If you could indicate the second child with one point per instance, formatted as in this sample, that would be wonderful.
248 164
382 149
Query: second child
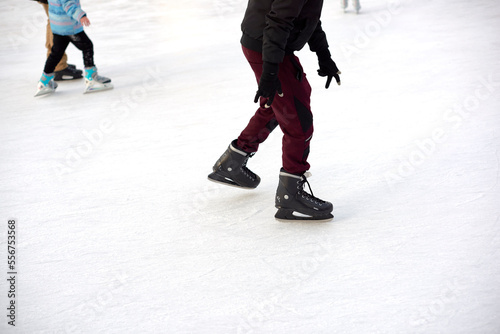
67 20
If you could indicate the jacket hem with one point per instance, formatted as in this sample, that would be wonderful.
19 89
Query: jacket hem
251 43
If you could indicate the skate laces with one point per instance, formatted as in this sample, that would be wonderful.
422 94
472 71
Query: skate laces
90 72
245 168
305 193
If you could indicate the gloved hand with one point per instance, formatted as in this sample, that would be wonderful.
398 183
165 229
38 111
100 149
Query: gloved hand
327 67
269 83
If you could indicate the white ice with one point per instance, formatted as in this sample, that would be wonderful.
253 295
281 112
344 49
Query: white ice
119 231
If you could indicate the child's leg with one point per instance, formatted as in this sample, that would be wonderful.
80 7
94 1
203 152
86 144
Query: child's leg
84 44
264 121
63 63
56 53
356 5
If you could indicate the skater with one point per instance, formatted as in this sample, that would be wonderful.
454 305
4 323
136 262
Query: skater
67 20
63 70
272 31
355 4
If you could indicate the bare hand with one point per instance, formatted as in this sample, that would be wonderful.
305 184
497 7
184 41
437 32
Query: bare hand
85 21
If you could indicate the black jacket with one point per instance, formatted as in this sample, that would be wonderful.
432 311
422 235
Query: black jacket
279 27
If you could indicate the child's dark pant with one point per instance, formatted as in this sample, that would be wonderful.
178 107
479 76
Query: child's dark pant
292 113
80 40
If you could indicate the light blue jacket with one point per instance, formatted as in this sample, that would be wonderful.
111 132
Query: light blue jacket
65 17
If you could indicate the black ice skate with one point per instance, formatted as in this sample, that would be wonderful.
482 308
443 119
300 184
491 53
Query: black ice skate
231 169
294 203
69 73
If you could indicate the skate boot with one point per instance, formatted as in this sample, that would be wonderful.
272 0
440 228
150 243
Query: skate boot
231 169
294 203
46 85
94 82
69 73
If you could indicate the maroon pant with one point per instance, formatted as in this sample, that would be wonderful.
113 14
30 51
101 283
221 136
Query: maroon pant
292 113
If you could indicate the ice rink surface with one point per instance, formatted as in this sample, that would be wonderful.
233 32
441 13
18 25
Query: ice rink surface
119 231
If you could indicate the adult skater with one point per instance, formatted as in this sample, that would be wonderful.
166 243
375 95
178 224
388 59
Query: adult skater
272 31
67 20
63 70
355 4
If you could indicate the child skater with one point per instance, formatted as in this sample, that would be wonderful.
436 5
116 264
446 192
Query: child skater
67 20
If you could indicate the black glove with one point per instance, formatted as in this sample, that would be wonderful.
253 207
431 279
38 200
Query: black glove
269 83
327 67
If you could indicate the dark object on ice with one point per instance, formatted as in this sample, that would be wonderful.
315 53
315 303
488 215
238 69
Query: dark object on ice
294 203
69 73
231 169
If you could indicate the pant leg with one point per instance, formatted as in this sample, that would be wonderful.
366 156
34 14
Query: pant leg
294 117
257 130
63 63
84 44
264 120
292 113
60 43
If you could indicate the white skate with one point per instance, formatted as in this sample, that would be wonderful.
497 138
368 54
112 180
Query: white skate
46 85
94 82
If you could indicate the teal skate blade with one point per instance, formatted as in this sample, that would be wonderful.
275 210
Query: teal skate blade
291 215
218 178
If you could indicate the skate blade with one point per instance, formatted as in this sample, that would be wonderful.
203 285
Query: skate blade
93 89
287 215
214 177
44 91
